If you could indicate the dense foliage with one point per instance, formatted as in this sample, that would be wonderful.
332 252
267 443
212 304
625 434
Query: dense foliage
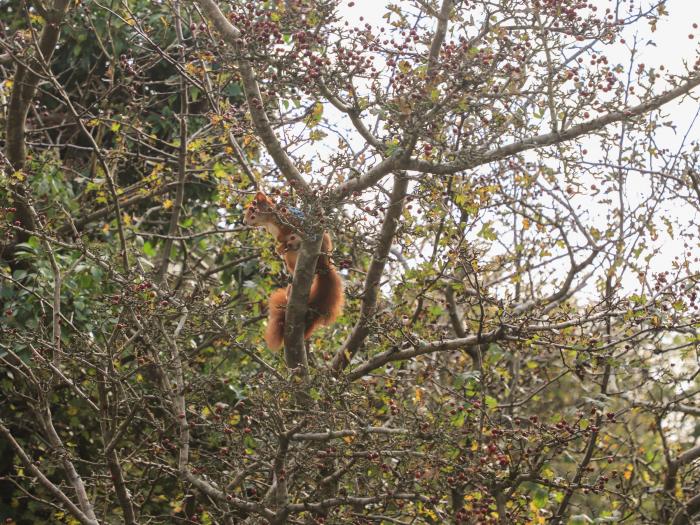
516 231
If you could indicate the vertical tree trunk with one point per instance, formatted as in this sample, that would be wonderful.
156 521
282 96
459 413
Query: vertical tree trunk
24 86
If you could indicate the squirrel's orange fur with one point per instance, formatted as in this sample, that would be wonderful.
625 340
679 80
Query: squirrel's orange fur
326 295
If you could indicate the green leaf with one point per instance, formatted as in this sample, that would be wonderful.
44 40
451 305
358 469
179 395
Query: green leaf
458 419
491 402
540 498
487 232
149 249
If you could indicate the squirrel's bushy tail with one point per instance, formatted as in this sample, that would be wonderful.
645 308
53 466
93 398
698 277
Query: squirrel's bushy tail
325 305
277 308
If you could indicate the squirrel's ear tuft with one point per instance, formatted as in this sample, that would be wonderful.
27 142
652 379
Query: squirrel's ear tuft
261 200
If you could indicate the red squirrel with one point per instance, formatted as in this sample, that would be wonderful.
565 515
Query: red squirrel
326 296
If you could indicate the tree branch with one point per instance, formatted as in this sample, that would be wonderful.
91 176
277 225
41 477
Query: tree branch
439 37
674 466
354 114
297 304
24 87
111 457
374 275
72 475
374 175
216 494
44 481
414 350
182 160
335 434
473 159
234 38
691 508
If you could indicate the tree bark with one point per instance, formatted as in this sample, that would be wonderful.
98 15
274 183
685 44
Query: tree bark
24 86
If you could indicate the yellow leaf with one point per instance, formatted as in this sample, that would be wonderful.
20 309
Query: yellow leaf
430 513
167 204
156 170
679 491
315 116
628 472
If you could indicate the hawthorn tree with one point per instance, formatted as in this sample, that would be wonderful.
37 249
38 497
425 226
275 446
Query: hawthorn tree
516 231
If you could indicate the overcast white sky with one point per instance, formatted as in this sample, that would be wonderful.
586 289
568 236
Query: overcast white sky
672 44
669 45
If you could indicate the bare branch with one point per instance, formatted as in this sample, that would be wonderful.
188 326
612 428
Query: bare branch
72 475
414 350
57 493
256 106
374 175
335 434
182 159
374 274
354 114
469 160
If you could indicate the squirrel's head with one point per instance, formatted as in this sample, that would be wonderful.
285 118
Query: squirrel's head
260 211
